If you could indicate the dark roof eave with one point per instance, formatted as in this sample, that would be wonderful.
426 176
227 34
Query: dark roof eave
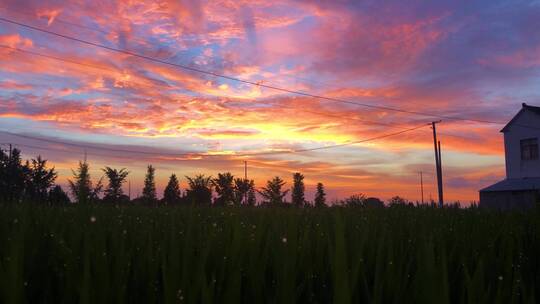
524 106
514 184
505 128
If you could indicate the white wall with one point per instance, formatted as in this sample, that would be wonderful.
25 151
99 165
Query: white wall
515 167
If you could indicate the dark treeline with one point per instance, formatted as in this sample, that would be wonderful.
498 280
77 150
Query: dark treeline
33 181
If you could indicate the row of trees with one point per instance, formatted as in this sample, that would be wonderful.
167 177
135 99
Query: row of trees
228 189
33 181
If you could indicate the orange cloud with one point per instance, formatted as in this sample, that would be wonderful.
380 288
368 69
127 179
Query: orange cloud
15 41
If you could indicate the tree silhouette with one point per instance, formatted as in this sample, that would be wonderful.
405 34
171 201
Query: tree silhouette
114 192
244 192
320 196
81 187
223 185
149 190
13 176
57 196
356 200
200 190
272 193
39 180
240 191
298 189
172 194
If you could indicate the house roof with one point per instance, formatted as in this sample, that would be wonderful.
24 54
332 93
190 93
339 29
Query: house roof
515 184
524 107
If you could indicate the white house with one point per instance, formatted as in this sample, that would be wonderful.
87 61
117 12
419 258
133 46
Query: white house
521 188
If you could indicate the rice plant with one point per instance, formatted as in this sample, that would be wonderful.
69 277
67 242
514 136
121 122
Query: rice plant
106 254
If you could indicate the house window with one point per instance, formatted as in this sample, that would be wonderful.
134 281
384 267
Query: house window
529 149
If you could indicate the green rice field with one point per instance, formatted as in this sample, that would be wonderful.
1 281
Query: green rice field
107 254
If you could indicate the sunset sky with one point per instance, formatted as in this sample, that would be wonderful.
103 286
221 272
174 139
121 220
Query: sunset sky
477 60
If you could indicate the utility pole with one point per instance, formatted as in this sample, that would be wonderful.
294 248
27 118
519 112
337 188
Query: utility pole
246 181
129 190
422 186
437 146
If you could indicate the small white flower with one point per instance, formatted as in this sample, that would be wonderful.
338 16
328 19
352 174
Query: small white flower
284 240
500 278
93 219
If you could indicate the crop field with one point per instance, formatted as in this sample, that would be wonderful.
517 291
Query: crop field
106 254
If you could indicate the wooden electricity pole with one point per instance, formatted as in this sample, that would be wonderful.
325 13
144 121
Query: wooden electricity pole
437 145
246 181
422 186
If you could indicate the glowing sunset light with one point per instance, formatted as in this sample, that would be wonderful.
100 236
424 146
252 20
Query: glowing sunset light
202 86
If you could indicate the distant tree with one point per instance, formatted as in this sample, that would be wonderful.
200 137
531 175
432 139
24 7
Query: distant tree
114 192
81 187
39 180
223 185
57 196
172 194
357 200
242 190
397 201
298 190
13 176
320 196
373 202
149 190
200 190
272 193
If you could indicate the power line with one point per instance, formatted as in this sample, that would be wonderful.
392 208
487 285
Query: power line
146 42
141 40
56 19
201 71
56 58
365 140
86 146
200 154
270 103
236 79
62 150
261 102
258 101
